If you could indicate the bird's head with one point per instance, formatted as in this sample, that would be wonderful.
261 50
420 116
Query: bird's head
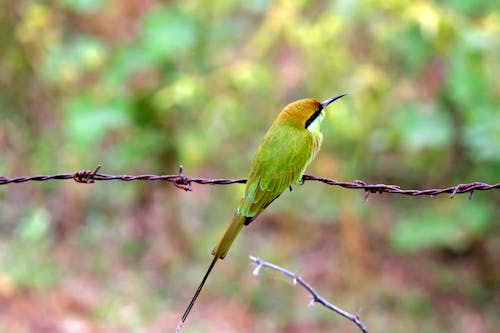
307 113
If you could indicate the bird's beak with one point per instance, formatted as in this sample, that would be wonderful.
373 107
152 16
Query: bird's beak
324 104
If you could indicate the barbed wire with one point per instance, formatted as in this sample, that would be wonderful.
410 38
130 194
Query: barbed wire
185 183
316 298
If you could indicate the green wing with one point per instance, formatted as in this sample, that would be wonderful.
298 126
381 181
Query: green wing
281 160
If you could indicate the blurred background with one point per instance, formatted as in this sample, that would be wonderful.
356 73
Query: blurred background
142 86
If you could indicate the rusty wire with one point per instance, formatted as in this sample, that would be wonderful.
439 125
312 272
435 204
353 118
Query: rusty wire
185 183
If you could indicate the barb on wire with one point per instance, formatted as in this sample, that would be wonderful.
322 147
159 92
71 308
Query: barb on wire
86 176
184 182
316 298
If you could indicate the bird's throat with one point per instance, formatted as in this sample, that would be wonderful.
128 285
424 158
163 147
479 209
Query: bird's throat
315 125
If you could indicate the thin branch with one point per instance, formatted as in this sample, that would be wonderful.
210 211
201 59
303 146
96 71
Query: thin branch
184 182
316 298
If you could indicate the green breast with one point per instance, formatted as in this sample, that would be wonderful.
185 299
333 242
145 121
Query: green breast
280 162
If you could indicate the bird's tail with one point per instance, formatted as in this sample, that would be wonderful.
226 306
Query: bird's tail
230 234
219 252
197 293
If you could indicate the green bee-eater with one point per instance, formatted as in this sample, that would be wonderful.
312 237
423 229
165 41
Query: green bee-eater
288 147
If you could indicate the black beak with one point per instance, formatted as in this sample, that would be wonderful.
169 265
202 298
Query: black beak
324 104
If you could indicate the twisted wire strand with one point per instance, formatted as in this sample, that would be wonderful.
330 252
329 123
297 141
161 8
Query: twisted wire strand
185 182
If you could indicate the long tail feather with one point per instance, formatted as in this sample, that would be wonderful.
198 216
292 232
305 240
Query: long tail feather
197 293
229 236
219 252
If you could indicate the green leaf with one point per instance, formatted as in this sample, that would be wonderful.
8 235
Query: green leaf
467 80
450 226
166 32
482 133
85 6
88 120
35 227
125 62
423 127
68 62
412 49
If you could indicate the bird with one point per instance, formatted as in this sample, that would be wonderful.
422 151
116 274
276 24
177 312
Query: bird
288 147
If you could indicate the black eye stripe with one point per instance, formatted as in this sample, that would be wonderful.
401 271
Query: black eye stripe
313 116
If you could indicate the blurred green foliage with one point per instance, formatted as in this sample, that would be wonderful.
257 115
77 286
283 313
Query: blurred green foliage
467 226
143 86
28 260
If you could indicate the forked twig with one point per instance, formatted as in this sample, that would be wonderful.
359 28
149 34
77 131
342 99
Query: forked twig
316 298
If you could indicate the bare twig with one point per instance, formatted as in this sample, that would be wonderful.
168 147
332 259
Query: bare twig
316 298
184 182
